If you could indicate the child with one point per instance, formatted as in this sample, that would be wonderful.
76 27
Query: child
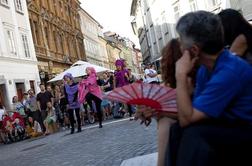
50 119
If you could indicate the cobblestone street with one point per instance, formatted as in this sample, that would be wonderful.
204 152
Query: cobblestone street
109 146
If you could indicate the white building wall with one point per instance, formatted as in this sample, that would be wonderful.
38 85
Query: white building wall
243 5
16 67
91 31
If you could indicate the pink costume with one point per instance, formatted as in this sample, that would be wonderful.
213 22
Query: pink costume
89 85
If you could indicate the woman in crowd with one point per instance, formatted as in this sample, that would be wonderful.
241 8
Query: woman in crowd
237 33
91 92
33 128
57 96
71 95
50 119
63 105
170 55
106 87
132 78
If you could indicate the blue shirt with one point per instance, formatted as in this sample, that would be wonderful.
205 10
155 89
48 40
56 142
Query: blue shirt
226 91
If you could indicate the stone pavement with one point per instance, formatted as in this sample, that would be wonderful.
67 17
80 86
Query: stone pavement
108 146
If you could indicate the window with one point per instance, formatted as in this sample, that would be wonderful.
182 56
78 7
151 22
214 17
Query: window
26 46
11 42
165 27
19 6
176 11
4 2
47 37
215 2
37 29
193 5
158 29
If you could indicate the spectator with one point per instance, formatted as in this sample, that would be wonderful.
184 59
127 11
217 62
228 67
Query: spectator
50 120
106 87
42 98
49 89
2 135
151 75
33 105
237 33
105 83
2 112
111 79
63 106
57 96
33 128
212 124
132 78
18 106
26 104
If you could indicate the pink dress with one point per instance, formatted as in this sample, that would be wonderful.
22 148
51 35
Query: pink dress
89 85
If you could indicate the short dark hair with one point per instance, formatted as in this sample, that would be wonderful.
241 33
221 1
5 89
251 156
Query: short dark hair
203 29
41 84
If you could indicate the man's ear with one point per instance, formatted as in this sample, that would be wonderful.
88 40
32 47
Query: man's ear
194 51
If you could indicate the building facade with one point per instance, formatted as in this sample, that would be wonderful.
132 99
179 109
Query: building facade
18 62
104 51
121 48
57 35
245 6
93 39
154 20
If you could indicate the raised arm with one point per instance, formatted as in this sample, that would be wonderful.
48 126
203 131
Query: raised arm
239 45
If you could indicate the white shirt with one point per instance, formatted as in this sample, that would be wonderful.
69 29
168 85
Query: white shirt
37 127
148 78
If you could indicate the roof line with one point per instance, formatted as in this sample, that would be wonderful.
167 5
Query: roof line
91 17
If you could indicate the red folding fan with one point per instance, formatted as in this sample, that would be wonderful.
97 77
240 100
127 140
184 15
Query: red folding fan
158 97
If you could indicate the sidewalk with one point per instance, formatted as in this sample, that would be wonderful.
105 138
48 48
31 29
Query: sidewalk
146 160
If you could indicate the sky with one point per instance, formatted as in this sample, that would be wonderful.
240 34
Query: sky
113 15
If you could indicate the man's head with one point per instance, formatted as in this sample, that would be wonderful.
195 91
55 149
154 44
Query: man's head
105 75
201 32
42 87
49 88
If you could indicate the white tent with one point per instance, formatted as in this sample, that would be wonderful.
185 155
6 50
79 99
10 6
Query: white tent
78 69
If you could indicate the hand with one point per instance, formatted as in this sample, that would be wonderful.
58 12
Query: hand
144 114
185 64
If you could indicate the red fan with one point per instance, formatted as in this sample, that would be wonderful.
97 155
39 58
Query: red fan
158 97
